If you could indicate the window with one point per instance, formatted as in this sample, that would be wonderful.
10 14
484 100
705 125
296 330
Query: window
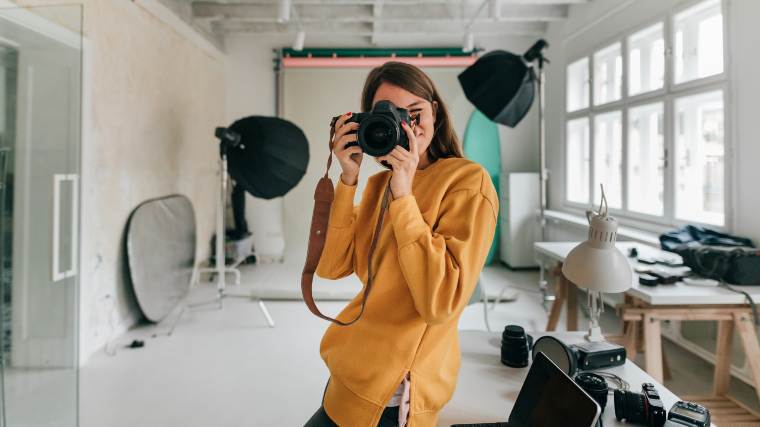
698 42
699 158
608 157
608 74
577 85
646 60
578 160
658 146
646 159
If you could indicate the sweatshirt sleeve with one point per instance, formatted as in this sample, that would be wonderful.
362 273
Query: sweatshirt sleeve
441 266
337 258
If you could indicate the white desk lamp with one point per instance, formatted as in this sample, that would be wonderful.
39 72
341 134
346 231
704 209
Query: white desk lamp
598 266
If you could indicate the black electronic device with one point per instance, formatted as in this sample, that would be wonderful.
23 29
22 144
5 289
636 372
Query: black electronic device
515 346
598 355
380 130
537 404
644 408
689 414
583 356
648 279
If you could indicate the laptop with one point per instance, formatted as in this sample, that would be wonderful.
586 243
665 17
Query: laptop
549 398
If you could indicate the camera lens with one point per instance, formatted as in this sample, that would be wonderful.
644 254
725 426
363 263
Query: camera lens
378 136
629 406
515 346
595 386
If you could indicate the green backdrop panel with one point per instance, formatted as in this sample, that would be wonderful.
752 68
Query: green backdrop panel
481 145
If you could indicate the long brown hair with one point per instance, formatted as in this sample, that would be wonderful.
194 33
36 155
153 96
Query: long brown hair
410 78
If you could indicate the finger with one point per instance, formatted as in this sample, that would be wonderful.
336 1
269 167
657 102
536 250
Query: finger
412 138
346 128
397 155
345 139
342 119
402 151
350 151
392 161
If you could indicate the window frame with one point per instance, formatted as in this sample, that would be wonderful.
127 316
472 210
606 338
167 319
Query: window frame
667 95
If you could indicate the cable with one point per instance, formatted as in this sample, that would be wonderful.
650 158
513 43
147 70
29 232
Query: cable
612 378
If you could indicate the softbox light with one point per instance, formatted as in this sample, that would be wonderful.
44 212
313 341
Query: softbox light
501 85
271 157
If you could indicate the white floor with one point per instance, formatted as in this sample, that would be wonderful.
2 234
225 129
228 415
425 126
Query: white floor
227 368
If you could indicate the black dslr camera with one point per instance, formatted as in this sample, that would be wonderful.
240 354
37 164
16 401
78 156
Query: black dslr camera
380 129
643 408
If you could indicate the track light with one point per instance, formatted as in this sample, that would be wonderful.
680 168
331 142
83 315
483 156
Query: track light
494 9
283 13
298 43
468 45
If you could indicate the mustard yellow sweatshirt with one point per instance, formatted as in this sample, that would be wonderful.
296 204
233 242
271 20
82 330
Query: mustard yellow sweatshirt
427 261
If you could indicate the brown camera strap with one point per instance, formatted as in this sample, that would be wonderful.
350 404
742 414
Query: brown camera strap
323 199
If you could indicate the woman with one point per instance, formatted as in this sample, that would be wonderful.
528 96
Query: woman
398 364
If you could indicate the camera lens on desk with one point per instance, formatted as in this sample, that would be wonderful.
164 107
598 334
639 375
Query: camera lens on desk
515 346
595 386
643 408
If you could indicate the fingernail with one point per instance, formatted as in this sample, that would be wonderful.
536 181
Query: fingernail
350 114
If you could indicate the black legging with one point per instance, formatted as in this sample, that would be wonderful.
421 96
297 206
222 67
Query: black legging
320 418
389 418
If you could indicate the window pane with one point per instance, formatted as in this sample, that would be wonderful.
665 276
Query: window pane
646 60
608 74
699 158
608 158
577 85
698 41
646 159
577 157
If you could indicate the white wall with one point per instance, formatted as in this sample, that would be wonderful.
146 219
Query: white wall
250 90
594 23
155 99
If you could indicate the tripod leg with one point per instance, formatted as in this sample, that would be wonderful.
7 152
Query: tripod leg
266 313
176 321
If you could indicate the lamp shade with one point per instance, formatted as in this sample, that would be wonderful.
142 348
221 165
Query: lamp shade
597 264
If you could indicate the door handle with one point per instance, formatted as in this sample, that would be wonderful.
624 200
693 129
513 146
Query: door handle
58 180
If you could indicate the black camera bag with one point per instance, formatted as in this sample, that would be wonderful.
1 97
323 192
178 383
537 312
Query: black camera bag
716 255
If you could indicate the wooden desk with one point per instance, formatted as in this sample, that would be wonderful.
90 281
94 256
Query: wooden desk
487 390
647 306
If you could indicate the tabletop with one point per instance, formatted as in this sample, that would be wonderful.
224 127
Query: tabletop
676 294
487 389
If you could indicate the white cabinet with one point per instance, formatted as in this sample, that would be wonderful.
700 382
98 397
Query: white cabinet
518 211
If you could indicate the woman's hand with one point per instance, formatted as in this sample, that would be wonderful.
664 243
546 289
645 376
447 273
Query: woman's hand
404 164
350 158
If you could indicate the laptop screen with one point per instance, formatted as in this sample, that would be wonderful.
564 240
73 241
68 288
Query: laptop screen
550 398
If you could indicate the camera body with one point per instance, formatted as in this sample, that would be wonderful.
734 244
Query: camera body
380 130
689 414
644 408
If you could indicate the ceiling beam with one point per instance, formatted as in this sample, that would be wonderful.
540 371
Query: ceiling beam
259 12
366 30
377 13
469 3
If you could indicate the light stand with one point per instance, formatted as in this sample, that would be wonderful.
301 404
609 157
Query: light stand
535 54
228 139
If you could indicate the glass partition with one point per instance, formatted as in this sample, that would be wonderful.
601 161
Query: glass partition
40 134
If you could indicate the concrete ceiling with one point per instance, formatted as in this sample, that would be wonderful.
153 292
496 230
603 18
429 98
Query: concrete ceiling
380 22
